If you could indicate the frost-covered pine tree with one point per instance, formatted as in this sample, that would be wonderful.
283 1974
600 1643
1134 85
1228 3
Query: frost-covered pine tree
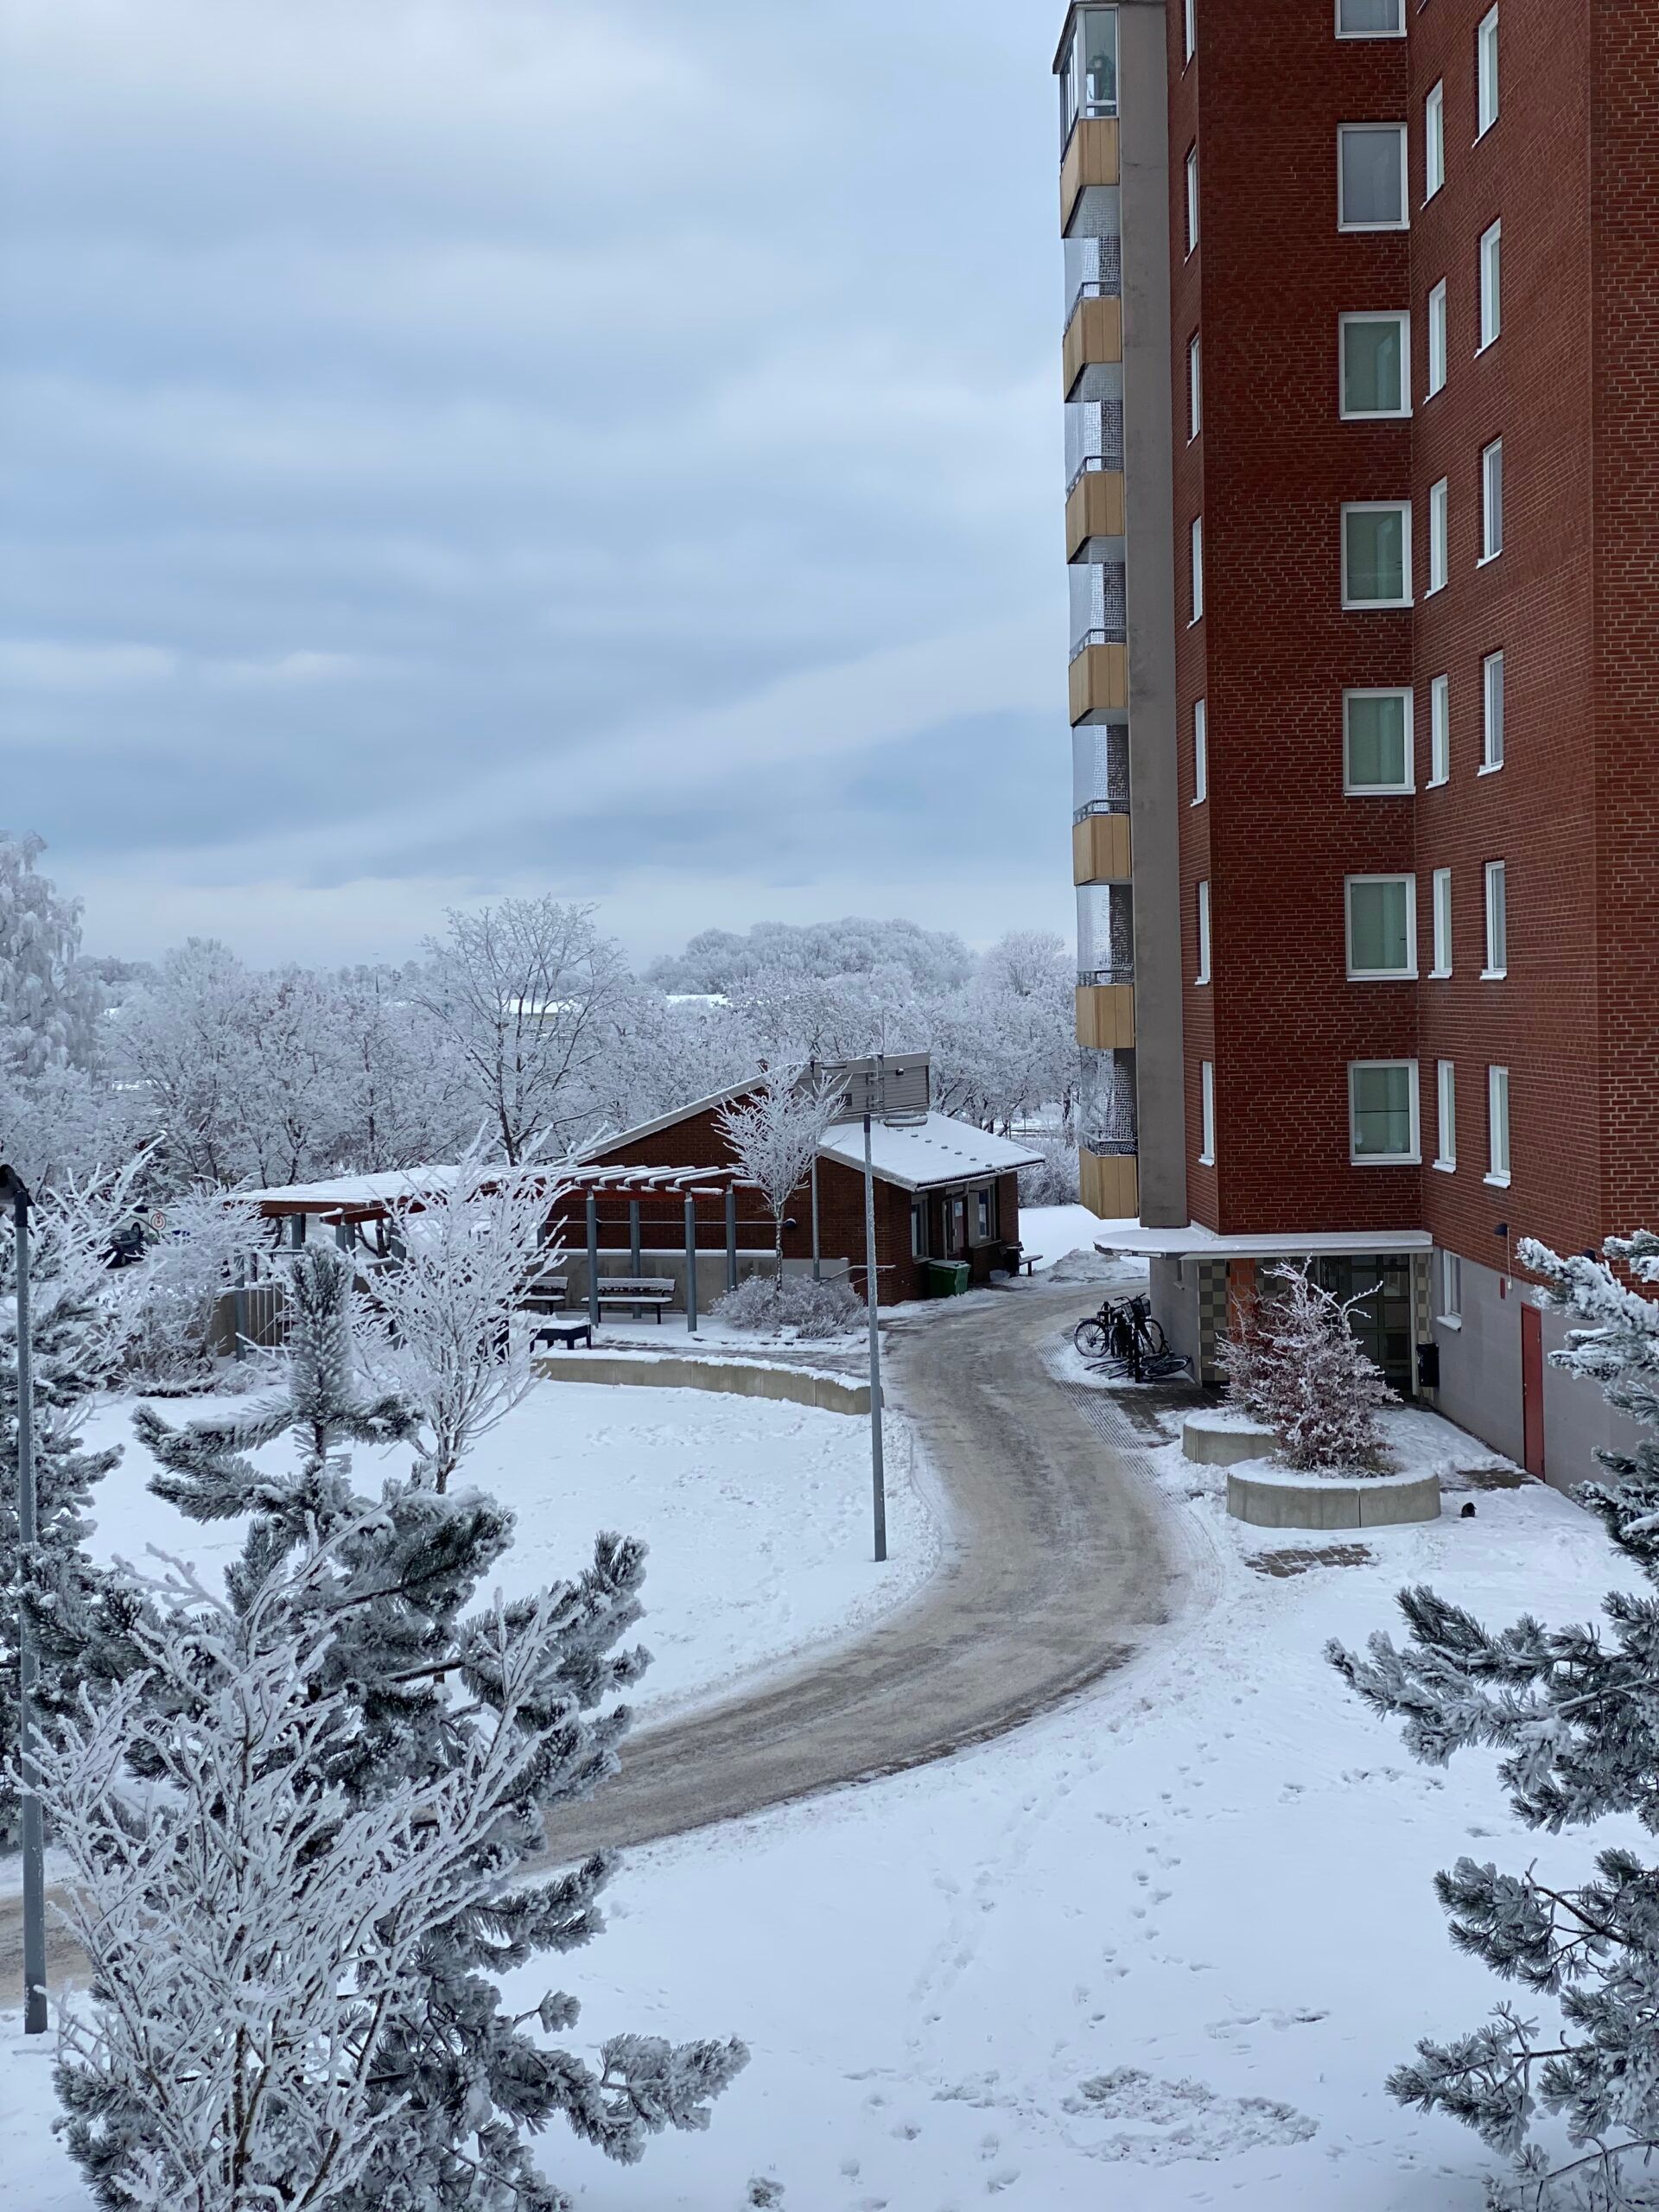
1575 1714
774 1132
1294 1363
425 1674
48 998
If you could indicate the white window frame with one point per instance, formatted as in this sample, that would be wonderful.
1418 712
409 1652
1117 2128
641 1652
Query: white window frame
1194 387
1433 141
1491 501
1440 922
1497 1128
1190 31
1401 9
1486 94
1411 1159
1408 973
1402 691
1445 1116
1491 723
1495 879
1490 266
1376 506
1195 573
1206 1113
1439 497
1404 221
1200 751
1435 380
1440 730
1191 201
1451 1299
1402 317
1202 975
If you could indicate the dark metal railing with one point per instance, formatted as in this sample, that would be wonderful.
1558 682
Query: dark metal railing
1110 1147
1115 802
1112 634
1121 972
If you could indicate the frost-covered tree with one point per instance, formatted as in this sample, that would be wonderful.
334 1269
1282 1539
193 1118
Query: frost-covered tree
934 961
774 1132
1574 1713
1294 1363
48 998
522 992
449 1335
171 1294
425 1674
253 1929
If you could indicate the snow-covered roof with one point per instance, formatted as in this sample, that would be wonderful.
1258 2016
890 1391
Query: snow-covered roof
606 1146
1196 1242
924 1155
353 1190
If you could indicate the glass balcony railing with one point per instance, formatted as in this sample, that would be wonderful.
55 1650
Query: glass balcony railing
1105 933
1099 605
1094 438
1106 1110
1094 271
1100 769
1088 71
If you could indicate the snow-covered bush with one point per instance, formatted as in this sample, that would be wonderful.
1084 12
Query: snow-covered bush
790 1301
1294 1363
1575 1712
172 1293
1054 1183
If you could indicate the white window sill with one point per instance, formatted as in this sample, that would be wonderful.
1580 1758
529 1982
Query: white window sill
1206 1159
1489 767
1200 982
1385 1159
1379 791
1487 344
1352 230
1448 1321
1382 975
1435 391
1376 605
1487 559
1199 800
1493 975
1498 1182
1193 621
1438 975
1373 414
1437 783
1445 1167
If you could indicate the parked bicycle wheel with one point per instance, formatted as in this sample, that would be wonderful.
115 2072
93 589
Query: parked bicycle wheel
1153 1338
1090 1338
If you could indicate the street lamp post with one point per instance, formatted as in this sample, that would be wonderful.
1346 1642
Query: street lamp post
13 1187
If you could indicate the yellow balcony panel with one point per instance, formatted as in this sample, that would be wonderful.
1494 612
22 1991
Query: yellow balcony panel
1095 509
1110 1184
1106 1017
1100 848
1095 335
1098 681
1091 158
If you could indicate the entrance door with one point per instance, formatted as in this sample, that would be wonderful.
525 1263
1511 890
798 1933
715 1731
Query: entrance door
1382 1323
1532 1388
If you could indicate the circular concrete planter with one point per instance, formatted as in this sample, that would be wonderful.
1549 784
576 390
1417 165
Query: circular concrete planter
1222 1437
1281 1498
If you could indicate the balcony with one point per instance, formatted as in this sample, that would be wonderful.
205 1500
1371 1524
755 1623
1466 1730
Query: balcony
1091 158
1109 1184
1094 508
1094 438
1097 682
1100 844
1105 1017
1094 337
1094 269
1100 769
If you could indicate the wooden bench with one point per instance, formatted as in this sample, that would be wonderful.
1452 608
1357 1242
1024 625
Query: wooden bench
545 1294
563 1333
655 1292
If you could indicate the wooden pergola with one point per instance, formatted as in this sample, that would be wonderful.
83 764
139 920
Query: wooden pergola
590 1184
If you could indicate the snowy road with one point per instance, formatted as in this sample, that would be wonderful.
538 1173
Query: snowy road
1058 1556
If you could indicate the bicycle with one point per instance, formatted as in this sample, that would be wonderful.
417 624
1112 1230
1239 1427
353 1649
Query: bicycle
1124 1330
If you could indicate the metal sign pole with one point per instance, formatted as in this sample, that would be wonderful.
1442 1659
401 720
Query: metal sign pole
34 1832
878 1482
593 1261
818 1271
690 1265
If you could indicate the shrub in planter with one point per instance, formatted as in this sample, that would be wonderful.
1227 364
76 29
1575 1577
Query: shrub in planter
810 1309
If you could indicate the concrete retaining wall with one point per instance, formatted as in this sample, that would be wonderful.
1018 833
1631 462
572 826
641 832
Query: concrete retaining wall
1283 1502
1218 1444
785 1385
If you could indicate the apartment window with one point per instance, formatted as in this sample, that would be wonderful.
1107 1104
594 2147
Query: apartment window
1491 285
1196 572
1442 920
1191 197
1439 729
1376 553
1374 351
1206 1113
1486 73
1194 389
1088 75
1377 742
1497 1126
1491 500
1381 928
1437 338
1433 142
1200 751
1192 29
1437 535
1203 975
1370 18
918 1229
1383 1111
1497 922
1451 1290
1491 718
1446 1118
1371 176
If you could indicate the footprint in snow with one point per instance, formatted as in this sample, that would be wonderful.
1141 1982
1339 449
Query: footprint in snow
1193 2122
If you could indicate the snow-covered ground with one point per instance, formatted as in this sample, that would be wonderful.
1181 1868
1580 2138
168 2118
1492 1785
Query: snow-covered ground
1156 1951
757 1516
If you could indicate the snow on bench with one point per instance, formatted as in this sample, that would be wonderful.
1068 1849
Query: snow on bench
654 1291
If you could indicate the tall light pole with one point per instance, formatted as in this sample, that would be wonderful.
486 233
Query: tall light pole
13 1187
878 1474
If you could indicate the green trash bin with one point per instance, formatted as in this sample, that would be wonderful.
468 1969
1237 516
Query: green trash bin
947 1278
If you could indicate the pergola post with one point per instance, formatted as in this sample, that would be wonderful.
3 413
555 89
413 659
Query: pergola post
633 1237
731 1236
690 1264
593 1260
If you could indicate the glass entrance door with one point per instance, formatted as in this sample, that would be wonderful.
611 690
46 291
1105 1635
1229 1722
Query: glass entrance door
1382 1322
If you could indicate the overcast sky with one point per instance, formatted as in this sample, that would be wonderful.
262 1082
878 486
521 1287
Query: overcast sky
455 447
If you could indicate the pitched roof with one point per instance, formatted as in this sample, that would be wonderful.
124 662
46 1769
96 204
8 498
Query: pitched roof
927 1155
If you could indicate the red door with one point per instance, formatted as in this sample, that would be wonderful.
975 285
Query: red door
1532 1388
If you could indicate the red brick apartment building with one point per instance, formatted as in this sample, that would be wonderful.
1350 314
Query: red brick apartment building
1362 397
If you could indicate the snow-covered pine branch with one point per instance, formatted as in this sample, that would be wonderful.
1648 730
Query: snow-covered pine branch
774 1131
1294 1363
1574 1714
449 1333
